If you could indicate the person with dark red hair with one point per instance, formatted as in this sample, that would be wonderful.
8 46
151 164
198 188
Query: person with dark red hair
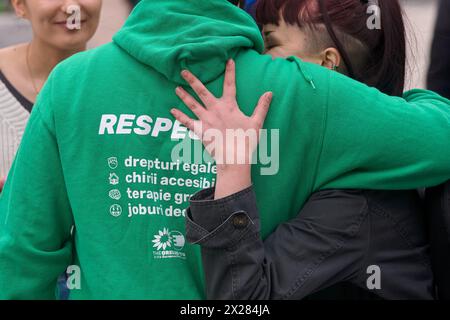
341 238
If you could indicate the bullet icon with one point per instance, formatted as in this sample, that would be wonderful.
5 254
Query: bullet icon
113 179
115 194
115 210
113 163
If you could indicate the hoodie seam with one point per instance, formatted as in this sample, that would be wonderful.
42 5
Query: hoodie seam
323 133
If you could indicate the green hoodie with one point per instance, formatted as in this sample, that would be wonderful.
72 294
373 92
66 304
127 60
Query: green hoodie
96 154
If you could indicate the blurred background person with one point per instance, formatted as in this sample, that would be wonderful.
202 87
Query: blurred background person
439 72
25 67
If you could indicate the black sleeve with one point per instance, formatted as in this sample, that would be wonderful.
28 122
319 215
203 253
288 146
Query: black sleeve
322 246
439 72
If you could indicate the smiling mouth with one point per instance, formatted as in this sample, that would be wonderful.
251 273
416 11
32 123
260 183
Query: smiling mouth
63 23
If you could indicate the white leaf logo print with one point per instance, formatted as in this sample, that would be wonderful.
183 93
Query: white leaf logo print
162 240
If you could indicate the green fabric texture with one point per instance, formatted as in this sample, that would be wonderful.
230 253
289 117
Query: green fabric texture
103 121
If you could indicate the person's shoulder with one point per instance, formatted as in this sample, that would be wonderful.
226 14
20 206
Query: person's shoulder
89 63
83 58
83 73
282 71
8 54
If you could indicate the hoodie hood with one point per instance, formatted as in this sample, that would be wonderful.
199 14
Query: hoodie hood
199 35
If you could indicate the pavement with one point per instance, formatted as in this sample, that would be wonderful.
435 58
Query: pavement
421 16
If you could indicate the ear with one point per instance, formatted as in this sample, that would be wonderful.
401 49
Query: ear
331 58
19 8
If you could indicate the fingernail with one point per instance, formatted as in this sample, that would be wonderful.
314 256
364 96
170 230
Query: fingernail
184 73
178 89
230 62
172 111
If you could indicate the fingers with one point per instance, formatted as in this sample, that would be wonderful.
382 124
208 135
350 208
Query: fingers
229 84
260 113
202 92
190 102
191 124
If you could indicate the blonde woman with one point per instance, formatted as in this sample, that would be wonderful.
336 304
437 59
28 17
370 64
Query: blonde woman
60 28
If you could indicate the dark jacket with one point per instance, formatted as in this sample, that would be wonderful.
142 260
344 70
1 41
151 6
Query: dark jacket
373 239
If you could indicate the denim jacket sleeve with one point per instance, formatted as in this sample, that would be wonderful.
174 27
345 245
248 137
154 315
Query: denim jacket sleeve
309 253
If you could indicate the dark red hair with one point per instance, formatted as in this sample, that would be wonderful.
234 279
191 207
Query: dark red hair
379 59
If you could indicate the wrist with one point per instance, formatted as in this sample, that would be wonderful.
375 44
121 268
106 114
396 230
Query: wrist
232 169
232 179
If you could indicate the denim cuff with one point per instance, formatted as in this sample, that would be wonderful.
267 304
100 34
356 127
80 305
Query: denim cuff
210 213
221 223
